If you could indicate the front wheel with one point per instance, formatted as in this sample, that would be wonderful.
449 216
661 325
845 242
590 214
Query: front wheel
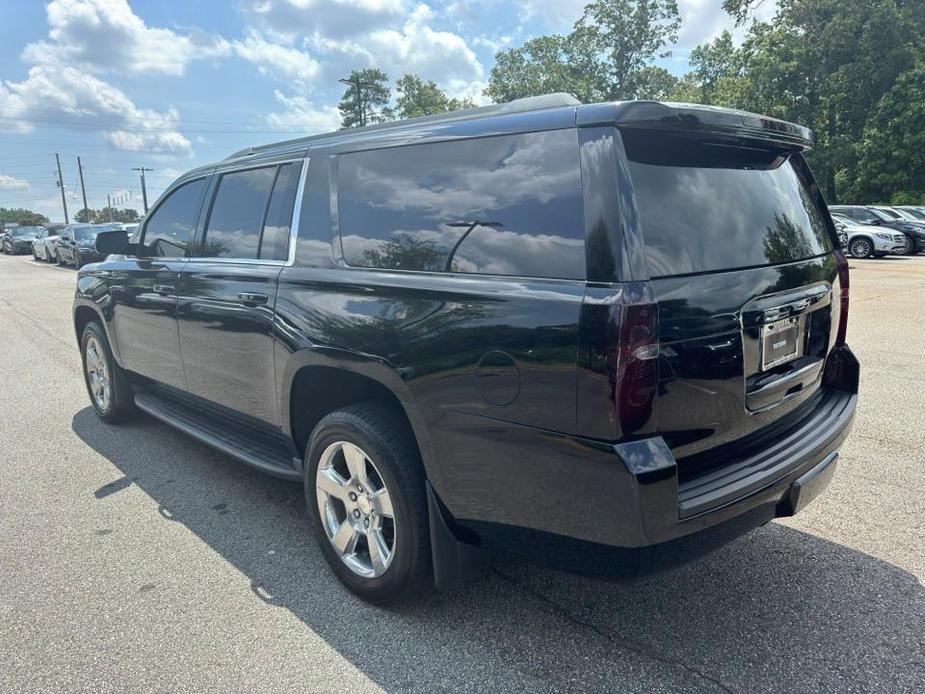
860 248
364 487
107 385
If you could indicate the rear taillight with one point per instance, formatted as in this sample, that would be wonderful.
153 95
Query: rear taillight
638 369
841 334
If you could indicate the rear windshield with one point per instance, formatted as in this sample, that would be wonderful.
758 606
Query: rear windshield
708 207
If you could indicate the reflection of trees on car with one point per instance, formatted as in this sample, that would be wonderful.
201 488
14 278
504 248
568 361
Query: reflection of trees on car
405 252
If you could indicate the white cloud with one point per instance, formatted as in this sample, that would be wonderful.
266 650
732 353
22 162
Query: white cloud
416 48
12 183
301 114
78 98
273 58
105 35
333 18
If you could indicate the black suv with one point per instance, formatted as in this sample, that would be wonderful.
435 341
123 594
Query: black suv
497 319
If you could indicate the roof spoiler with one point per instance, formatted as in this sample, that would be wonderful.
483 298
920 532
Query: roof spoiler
697 118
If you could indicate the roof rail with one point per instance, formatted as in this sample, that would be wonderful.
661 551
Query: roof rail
530 103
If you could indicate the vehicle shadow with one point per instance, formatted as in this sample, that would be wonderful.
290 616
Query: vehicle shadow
775 610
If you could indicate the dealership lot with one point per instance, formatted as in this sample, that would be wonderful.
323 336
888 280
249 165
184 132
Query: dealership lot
132 558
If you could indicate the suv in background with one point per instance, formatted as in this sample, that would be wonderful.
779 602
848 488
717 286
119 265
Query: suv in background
871 216
513 318
912 227
866 241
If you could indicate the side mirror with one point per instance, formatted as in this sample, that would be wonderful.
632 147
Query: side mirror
112 243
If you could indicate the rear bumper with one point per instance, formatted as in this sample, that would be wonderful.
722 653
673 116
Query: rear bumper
494 476
783 473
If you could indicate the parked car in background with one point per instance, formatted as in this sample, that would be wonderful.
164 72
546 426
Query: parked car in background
917 211
19 239
44 247
906 223
77 245
38 245
863 214
478 337
866 241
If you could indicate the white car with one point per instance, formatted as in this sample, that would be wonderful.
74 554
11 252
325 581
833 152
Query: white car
866 240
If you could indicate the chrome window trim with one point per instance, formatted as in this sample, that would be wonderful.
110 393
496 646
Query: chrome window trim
296 215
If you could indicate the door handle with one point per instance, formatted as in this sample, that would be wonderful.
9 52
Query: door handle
164 289
253 299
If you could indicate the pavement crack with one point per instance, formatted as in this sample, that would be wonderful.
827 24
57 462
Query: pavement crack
624 644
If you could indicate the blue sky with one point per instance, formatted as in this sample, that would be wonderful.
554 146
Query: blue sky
171 84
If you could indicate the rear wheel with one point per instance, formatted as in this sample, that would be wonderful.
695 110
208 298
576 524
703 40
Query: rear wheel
860 248
364 487
107 385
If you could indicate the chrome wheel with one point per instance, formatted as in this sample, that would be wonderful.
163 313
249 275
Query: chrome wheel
356 509
98 374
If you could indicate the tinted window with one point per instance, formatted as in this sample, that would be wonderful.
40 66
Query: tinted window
170 227
714 208
314 248
233 230
506 205
274 245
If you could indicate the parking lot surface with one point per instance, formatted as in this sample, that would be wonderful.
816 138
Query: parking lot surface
135 559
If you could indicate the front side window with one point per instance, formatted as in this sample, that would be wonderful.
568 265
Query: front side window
504 205
251 214
169 228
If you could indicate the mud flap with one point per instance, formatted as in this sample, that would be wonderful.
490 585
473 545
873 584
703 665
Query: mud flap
454 560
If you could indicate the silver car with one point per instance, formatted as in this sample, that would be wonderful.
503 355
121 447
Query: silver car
867 241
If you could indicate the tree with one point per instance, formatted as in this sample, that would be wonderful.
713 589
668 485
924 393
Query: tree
891 163
86 216
419 98
18 215
626 35
544 65
605 57
366 98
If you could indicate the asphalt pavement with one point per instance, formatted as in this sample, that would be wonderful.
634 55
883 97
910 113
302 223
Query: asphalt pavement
135 559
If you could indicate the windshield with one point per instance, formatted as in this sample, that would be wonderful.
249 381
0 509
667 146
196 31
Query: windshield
705 208
19 232
89 233
888 214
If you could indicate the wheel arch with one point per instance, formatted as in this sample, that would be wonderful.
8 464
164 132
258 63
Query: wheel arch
862 237
85 313
316 387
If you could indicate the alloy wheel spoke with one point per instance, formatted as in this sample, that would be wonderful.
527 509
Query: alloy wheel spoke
345 539
382 503
332 484
356 463
378 551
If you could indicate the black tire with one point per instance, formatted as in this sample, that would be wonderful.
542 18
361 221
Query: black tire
77 263
860 248
58 260
121 403
385 437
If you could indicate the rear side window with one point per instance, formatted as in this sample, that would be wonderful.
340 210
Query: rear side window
169 228
274 244
506 205
240 203
705 207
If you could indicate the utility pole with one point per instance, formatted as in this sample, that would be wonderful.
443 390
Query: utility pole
61 186
144 190
83 188
108 207
359 84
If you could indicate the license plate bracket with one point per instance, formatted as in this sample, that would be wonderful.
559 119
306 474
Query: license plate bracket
781 342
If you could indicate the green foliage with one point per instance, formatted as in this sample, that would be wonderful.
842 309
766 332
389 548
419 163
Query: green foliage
891 162
605 57
369 103
89 216
419 98
10 215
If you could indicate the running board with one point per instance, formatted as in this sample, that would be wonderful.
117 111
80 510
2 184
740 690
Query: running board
257 449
